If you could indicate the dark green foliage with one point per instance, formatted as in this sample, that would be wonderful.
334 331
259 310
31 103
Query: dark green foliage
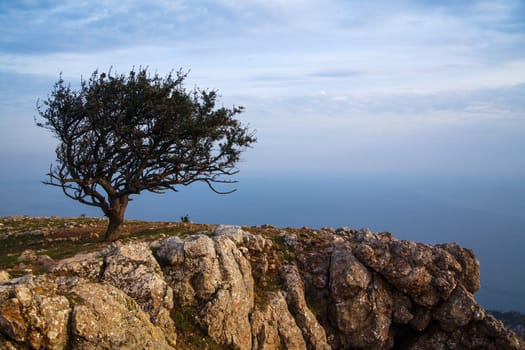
120 135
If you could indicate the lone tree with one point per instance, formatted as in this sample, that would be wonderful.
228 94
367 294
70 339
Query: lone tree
121 135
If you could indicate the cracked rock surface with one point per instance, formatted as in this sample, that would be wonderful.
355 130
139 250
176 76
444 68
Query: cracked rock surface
266 289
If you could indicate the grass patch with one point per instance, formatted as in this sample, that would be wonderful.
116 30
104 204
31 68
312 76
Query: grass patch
286 252
63 251
8 260
65 237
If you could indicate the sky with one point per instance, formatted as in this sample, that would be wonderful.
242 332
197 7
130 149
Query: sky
425 100
393 87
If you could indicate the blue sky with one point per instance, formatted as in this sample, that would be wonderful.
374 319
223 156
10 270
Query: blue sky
383 87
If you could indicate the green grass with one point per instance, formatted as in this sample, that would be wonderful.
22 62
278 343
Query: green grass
286 252
8 260
57 252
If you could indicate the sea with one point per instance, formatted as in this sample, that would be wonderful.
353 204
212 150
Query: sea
485 214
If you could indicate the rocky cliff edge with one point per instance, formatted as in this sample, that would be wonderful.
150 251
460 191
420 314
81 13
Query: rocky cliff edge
264 289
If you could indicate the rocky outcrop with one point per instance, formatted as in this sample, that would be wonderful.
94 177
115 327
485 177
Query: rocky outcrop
212 276
273 326
306 289
60 313
312 332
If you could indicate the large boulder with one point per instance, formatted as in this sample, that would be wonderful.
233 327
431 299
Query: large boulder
32 313
213 276
133 269
104 317
49 312
361 301
426 274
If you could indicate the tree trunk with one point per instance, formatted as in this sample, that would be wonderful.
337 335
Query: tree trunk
116 218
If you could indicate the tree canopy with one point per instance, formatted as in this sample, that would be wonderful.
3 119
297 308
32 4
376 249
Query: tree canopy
120 135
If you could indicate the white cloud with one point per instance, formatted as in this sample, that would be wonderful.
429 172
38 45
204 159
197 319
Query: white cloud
344 73
396 47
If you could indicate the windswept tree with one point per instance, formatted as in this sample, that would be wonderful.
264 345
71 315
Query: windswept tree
121 135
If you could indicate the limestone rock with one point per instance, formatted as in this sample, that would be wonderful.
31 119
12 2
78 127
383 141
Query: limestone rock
213 275
235 233
87 265
51 313
191 268
133 269
422 318
362 302
402 308
104 317
4 276
31 313
226 314
273 327
242 238
488 333
458 310
427 274
469 274
334 289
312 331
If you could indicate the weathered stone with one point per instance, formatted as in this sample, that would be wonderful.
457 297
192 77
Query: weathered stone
422 318
361 301
427 274
170 251
469 274
4 276
213 275
235 233
133 269
31 313
402 306
273 327
241 237
191 268
28 256
488 333
364 291
104 317
312 331
458 310
87 266
226 315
